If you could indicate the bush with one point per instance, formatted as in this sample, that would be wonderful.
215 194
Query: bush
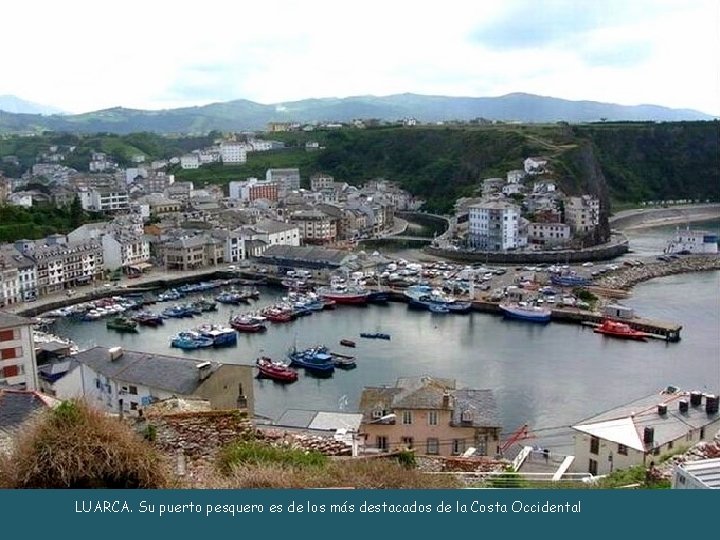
75 446
257 453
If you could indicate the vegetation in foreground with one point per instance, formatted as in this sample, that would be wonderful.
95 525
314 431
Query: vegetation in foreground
75 446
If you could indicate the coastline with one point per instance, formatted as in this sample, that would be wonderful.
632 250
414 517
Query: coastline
628 277
655 217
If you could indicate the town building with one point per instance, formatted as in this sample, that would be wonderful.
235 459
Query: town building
582 213
430 416
315 226
104 199
494 226
121 381
192 253
320 181
233 153
253 189
179 191
62 264
287 179
535 165
18 366
644 431
18 276
190 161
319 261
159 205
548 234
701 474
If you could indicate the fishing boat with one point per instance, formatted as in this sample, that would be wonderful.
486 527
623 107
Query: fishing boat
276 371
121 324
374 335
342 294
190 341
205 305
247 324
176 312
343 361
347 343
315 360
222 336
436 307
146 318
526 312
620 330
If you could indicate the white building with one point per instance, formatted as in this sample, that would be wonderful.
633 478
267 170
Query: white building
547 234
104 199
689 241
535 165
286 179
116 380
18 366
644 431
511 189
190 161
252 189
515 176
18 276
494 226
233 152
702 474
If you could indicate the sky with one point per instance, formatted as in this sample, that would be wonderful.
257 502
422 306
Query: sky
83 55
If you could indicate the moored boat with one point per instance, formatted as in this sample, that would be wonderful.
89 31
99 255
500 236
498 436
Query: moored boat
191 340
247 324
374 335
347 343
122 324
526 312
315 360
222 336
619 330
342 294
147 318
276 371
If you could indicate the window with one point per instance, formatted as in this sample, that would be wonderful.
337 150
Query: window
592 467
594 445
133 390
9 335
622 450
432 418
133 406
433 447
670 445
702 433
10 371
13 352
381 442
407 442
377 413
407 418
458 446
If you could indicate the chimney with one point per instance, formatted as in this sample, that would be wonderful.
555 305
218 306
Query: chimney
115 353
683 405
648 434
711 404
662 409
204 370
695 399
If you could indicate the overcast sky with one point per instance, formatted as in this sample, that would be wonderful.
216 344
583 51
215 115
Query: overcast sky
87 55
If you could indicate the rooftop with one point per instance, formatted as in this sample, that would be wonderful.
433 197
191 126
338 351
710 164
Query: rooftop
626 424
169 373
8 320
706 471
16 406
311 254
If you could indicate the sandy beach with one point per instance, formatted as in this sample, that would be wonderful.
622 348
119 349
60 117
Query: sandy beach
653 217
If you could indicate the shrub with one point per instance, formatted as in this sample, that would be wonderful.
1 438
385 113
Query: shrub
75 446
257 453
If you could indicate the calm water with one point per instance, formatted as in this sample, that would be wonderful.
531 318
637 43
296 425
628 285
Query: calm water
547 376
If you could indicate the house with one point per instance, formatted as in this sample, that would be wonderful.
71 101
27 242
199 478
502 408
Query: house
315 226
61 263
548 234
582 213
193 252
189 161
277 233
253 189
431 416
320 181
18 275
644 431
701 474
105 199
535 165
159 205
122 381
18 365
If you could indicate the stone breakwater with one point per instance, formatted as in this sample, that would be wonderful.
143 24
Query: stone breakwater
627 277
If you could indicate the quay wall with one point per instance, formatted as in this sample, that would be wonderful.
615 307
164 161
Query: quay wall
596 253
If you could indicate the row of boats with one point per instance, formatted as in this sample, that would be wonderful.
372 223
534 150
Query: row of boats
320 361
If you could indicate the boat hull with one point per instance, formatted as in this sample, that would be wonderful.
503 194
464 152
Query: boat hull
525 315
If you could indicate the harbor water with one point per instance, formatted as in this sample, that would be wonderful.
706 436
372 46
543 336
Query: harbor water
547 376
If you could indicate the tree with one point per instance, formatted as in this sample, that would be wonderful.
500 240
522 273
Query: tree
76 212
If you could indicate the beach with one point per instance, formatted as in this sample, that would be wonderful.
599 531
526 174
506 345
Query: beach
654 217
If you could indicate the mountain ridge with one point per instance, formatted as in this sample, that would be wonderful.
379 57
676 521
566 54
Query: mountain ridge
242 114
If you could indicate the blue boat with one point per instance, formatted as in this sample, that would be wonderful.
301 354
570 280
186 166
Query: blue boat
191 340
176 312
526 312
436 307
314 360
222 336
379 297
375 335
569 280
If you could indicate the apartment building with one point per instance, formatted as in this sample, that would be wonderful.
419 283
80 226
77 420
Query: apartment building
18 366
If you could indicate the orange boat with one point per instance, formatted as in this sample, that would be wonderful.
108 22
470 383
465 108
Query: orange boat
620 330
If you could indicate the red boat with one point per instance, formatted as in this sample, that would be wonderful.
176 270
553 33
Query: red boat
275 370
278 316
247 325
344 295
620 330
